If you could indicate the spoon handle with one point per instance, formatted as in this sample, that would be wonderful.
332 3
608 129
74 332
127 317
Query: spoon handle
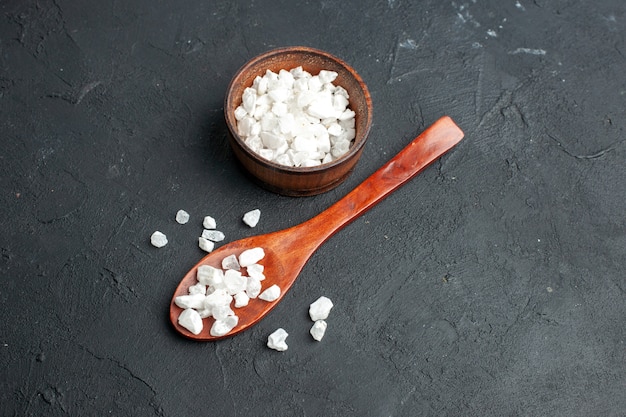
417 155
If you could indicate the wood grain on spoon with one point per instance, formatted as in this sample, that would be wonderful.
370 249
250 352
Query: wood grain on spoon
288 250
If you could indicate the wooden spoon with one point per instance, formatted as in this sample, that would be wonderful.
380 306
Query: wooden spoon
288 250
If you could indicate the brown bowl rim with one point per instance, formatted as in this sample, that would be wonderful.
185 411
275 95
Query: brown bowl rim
354 149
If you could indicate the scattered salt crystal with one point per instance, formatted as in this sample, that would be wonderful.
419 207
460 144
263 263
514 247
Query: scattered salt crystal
209 275
252 217
320 309
251 256
231 262
277 339
158 239
241 299
270 294
182 216
205 244
190 319
223 327
209 222
213 235
256 271
190 301
318 330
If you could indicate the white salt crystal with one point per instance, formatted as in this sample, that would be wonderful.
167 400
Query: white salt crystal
182 216
190 320
190 301
249 100
266 153
204 313
318 330
209 275
223 327
213 235
272 140
198 288
256 271
253 287
327 76
240 113
158 239
209 222
205 244
270 294
217 298
241 299
319 309
231 262
220 312
234 281
277 339
335 129
251 256
252 217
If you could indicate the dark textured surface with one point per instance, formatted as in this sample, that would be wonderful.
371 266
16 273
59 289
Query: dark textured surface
490 285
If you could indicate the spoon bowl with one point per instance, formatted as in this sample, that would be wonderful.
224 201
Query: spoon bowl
288 250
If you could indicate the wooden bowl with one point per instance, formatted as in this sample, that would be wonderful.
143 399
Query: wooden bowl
299 181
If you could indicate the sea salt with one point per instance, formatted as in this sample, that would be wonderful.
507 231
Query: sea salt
205 244
318 330
219 290
190 319
251 256
270 294
253 287
209 222
252 217
235 282
158 239
223 327
198 288
182 216
276 340
256 271
209 275
213 235
231 262
241 299
190 301
295 118
319 309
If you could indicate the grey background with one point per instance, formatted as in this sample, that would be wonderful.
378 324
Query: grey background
490 285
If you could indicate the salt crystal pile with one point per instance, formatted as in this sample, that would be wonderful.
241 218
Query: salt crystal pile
219 290
295 118
276 340
158 239
182 216
252 217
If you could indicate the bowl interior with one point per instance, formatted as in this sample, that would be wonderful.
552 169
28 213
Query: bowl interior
313 61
